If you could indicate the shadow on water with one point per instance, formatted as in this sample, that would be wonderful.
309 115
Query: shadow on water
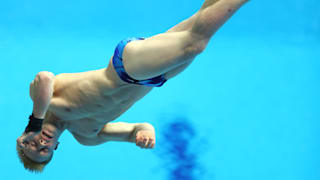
179 150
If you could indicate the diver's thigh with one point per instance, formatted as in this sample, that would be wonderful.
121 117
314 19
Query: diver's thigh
175 71
159 54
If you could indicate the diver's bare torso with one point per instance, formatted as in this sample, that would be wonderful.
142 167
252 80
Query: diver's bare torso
86 101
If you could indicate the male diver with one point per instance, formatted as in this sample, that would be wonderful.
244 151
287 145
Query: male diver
85 103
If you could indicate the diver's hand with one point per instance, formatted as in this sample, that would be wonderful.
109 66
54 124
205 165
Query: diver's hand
29 135
25 138
145 138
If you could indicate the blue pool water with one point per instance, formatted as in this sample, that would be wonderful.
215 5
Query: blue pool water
251 99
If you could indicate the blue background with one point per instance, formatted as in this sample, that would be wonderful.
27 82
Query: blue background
253 94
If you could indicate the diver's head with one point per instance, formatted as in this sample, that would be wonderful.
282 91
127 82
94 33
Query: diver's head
35 149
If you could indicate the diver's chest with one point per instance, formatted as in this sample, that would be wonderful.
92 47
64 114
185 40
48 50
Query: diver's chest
102 108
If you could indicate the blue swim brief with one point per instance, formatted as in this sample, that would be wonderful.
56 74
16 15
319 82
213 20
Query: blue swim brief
118 66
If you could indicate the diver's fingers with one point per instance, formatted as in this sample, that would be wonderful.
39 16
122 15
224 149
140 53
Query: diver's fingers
28 136
139 141
151 143
145 139
142 142
24 139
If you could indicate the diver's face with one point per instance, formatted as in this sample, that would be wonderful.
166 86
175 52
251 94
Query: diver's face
38 146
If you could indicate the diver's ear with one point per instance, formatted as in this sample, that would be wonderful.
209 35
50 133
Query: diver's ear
56 146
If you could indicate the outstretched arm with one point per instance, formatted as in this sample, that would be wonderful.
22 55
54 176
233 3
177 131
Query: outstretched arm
143 134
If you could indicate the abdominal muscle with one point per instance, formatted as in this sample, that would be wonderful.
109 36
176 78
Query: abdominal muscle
86 101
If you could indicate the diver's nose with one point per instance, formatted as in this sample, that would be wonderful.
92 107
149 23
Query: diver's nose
42 142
